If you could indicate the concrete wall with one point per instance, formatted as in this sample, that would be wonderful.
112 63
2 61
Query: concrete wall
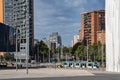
113 35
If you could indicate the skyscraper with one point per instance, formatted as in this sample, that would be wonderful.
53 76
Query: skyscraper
92 23
8 13
19 14
113 35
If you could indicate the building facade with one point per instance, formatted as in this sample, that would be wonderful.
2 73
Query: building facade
7 42
101 37
8 12
75 40
20 15
91 23
55 40
113 35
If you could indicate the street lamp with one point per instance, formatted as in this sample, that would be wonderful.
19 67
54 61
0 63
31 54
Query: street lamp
102 51
27 38
58 52
87 44
87 52
16 50
49 54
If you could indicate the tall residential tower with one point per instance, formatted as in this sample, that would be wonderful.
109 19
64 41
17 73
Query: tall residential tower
19 14
92 26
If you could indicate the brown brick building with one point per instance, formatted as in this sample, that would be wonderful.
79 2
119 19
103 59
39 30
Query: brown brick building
93 26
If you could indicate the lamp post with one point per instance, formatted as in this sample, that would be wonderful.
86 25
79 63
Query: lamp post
58 52
16 51
49 54
26 52
27 39
87 52
38 54
102 57
102 51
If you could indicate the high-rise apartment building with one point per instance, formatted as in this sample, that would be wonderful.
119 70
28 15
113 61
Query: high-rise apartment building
19 14
91 24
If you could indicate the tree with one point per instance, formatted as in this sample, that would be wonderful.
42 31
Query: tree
41 49
65 50
93 52
75 48
8 56
80 52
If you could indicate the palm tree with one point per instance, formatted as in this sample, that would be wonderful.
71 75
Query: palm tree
41 49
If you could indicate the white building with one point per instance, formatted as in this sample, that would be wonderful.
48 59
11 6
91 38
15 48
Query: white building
75 40
113 35
55 40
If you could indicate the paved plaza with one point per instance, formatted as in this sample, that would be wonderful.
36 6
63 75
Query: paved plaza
57 74
43 73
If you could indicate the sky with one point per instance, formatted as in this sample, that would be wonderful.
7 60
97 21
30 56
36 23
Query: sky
62 16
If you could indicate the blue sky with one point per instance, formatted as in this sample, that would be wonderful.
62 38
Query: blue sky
61 16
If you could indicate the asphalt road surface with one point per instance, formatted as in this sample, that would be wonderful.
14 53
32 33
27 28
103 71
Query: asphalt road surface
95 77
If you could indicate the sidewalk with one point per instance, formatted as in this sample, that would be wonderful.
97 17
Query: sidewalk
42 73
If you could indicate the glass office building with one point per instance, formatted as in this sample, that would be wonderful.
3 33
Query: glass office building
7 42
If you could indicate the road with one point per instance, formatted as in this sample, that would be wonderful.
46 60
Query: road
95 77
